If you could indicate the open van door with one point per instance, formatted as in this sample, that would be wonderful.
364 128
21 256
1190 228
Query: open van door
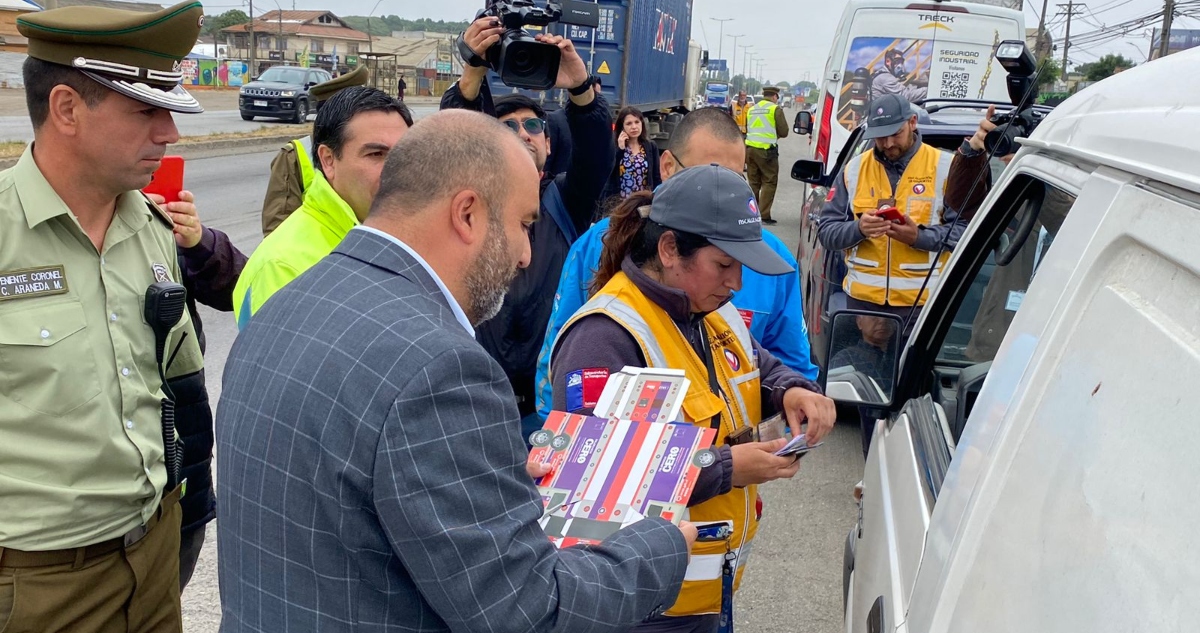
921 391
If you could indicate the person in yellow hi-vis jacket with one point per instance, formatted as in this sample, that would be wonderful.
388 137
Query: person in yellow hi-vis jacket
741 107
664 297
888 260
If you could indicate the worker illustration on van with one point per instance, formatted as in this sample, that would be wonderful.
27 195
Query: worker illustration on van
893 79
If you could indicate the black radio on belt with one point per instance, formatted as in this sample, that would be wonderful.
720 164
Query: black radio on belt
165 303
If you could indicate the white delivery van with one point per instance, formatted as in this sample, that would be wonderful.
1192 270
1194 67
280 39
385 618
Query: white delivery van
922 50
1039 470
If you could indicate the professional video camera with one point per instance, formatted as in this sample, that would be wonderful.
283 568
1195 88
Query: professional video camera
1022 80
521 60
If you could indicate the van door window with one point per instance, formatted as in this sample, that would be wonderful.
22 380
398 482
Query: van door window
1000 284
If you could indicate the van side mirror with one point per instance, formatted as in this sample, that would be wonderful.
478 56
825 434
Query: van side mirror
804 123
809 171
864 350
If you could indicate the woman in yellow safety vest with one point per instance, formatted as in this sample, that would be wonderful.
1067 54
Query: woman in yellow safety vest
662 298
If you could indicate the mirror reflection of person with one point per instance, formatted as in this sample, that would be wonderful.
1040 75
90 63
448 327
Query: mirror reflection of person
874 354
891 79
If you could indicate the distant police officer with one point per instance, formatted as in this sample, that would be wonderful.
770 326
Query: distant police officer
766 123
292 169
89 536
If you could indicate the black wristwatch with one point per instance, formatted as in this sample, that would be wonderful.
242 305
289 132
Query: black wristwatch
468 56
581 88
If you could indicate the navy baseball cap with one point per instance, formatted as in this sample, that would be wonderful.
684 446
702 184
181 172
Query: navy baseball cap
716 203
886 115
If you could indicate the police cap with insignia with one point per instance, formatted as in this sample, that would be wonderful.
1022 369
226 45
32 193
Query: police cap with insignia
326 89
770 90
134 53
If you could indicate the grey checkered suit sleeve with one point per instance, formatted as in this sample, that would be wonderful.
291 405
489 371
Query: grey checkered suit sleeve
461 514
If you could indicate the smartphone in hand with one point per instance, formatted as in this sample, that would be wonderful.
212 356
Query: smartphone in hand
167 181
892 214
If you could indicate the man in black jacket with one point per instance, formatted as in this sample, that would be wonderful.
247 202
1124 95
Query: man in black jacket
514 336
210 265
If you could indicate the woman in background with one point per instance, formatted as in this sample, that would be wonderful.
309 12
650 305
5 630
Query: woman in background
637 156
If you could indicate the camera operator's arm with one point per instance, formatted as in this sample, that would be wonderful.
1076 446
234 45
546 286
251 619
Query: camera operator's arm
970 177
470 91
593 152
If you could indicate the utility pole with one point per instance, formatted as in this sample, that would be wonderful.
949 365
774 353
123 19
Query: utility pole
1043 48
250 72
1071 7
1164 38
721 38
733 62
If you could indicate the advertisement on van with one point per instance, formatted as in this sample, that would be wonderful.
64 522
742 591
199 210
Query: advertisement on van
916 69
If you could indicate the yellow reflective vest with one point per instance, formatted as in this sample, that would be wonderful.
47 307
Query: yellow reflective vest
304 160
663 345
760 125
881 270
304 238
740 110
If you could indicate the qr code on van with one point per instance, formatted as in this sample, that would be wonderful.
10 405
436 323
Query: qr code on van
954 85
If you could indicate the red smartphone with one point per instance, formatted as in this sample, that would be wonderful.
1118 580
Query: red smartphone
167 181
891 213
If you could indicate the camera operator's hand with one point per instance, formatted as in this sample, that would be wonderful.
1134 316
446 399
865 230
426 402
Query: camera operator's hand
985 126
904 232
481 35
572 72
872 226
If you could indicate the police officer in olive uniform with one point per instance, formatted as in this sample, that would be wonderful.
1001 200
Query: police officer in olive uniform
766 123
89 530
292 168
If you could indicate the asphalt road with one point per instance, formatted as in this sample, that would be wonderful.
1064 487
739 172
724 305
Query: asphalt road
18 128
794 581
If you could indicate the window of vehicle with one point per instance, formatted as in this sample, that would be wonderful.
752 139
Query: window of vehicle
284 74
1000 284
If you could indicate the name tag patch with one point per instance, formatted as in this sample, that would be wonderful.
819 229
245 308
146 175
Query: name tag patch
32 282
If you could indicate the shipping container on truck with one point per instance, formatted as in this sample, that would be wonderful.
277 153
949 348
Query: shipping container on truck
641 52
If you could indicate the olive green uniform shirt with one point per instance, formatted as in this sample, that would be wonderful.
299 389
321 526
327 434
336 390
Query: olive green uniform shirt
285 189
81 451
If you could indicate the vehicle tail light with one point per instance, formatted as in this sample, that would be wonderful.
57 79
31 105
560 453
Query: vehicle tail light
822 153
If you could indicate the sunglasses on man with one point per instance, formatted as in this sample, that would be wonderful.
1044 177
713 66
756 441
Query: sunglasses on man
533 127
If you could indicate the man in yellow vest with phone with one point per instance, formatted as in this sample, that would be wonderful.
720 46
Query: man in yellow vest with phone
766 123
741 108
886 212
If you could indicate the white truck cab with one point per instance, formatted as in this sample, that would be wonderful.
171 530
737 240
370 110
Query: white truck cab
1040 469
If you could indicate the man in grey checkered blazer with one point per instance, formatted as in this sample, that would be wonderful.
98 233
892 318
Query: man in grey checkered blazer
371 472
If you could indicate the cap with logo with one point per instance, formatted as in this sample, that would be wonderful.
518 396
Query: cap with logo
886 115
326 89
716 203
134 53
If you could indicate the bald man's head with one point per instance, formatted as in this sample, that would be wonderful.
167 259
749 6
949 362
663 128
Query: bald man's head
444 154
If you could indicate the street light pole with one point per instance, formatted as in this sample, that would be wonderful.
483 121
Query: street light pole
721 38
733 62
252 42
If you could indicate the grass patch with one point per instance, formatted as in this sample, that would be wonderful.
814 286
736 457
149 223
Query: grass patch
11 149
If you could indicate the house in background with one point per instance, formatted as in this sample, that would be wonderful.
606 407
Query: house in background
10 40
288 36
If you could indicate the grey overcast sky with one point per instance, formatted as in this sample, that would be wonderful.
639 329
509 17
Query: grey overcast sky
791 36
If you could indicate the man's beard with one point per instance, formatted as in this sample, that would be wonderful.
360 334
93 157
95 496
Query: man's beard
489 276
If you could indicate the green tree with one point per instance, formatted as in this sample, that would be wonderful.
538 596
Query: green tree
385 25
213 24
1105 67
1049 72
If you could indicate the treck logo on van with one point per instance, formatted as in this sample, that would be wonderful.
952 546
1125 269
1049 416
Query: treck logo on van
944 19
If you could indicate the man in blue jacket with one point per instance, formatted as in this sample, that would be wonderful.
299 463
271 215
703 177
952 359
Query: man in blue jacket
770 305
